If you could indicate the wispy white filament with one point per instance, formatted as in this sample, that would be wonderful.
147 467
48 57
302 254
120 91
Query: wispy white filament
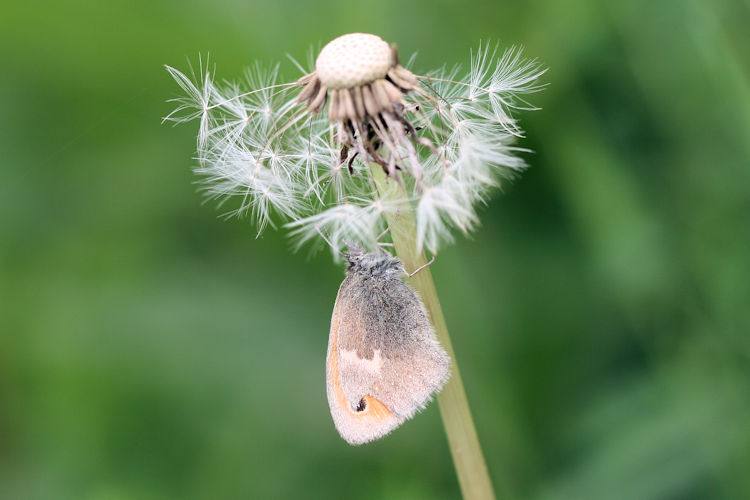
257 143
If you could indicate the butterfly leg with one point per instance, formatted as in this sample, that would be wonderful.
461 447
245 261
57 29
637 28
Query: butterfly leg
421 267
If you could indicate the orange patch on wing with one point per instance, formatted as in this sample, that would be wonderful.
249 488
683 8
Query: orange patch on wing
374 408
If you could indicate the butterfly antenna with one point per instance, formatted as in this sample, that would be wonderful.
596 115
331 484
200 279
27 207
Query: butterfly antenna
327 240
392 223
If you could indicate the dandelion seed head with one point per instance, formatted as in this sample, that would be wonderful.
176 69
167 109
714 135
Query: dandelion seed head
303 150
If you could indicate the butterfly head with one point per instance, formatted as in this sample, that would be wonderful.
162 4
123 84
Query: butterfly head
359 261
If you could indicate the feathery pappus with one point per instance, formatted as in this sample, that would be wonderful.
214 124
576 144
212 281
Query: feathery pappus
301 151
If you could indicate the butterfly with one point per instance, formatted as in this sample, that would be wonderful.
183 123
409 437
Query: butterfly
384 362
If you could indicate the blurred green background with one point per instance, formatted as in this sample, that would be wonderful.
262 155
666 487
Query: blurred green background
150 349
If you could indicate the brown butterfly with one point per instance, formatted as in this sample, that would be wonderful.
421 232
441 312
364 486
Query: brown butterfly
384 362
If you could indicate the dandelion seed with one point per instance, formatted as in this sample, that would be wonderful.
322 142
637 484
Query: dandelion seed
301 150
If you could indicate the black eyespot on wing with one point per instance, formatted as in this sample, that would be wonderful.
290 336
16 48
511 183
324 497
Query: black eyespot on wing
361 405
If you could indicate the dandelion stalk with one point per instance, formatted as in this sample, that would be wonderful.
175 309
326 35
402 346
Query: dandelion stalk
454 407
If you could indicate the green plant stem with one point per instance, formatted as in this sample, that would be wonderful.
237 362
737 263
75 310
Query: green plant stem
468 459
